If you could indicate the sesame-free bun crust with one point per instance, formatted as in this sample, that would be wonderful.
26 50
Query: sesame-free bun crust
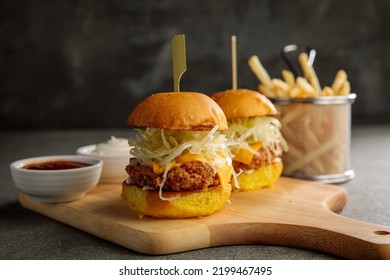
178 111
260 178
243 103
187 204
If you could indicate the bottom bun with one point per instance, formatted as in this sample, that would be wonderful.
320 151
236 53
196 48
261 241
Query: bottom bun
182 205
260 178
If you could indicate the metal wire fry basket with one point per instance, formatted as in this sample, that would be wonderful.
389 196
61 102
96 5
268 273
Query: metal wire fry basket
318 133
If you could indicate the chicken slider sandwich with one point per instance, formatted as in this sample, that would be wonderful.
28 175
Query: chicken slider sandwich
181 166
255 139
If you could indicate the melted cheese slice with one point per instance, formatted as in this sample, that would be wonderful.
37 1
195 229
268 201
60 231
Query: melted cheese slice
245 156
187 157
225 174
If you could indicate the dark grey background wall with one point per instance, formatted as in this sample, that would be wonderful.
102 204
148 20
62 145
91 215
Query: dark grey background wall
86 63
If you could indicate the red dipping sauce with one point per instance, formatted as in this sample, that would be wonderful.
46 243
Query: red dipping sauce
56 165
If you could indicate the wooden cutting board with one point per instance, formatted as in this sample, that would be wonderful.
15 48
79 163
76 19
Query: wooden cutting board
293 213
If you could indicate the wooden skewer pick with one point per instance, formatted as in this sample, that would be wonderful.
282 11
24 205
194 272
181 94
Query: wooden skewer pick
234 62
178 60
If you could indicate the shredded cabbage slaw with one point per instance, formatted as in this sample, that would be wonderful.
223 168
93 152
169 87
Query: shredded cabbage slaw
162 147
246 131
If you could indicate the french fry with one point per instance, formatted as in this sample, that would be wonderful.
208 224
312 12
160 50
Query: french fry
280 93
296 92
266 91
327 91
306 87
309 72
339 80
259 71
282 88
290 116
289 86
345 88
289 78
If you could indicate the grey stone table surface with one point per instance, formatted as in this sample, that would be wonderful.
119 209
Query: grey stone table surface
27 235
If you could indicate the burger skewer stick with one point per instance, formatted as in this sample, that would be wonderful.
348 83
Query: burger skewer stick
178 60
234 62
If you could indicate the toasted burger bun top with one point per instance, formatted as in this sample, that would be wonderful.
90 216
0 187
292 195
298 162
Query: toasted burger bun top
178 111
244 103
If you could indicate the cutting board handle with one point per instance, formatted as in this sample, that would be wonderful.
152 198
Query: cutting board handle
329 233
347 237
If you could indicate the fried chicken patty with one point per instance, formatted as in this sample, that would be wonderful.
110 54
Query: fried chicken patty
265 156
189 176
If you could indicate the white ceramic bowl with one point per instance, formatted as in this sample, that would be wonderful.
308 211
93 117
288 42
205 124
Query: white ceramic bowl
57 185
113 167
